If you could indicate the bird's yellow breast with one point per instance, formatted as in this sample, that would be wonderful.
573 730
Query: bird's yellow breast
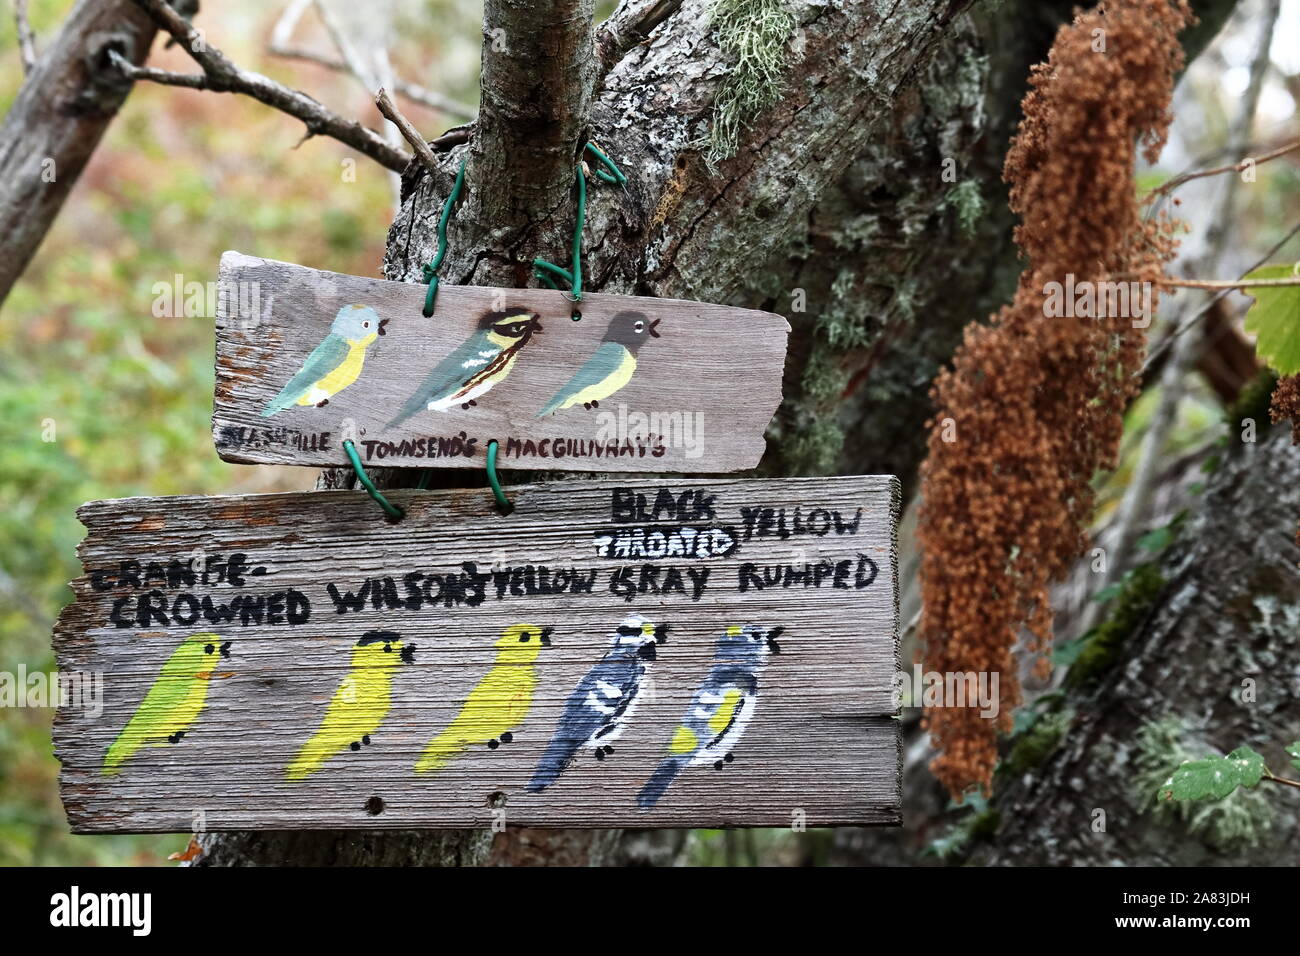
344 375
611 383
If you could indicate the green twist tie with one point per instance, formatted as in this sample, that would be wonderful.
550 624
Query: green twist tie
394 513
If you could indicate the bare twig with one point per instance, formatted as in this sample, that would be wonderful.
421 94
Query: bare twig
1246 163
26 38
281 45
409 132
1219 296
1242 283
190 81
1282 780
221 75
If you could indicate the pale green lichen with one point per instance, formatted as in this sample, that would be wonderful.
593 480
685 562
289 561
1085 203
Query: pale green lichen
1243 818
754 35
967 202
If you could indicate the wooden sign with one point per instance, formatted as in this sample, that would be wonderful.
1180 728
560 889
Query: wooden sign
307 359
652 654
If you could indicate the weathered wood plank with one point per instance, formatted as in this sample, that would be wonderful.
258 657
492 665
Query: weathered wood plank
822 745
678 386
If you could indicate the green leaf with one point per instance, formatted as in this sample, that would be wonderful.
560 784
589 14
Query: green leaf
1155 541
1274 320
1107 593
1294 751
1213 778
1250 765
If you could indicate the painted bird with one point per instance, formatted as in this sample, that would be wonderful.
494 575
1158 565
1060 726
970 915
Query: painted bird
599 708
500 702
722 708
610 366
174 702
481 361
335 363
360 703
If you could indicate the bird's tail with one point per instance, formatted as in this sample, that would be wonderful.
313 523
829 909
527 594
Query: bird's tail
552 406
418 402
120 751
558 756
659 780
440 752
285 399
307 762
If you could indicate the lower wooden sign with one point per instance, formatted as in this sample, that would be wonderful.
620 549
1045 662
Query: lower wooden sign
649 654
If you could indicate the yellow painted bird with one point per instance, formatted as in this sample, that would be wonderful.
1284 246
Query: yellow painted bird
477 364
360 703
174 702
335 363
498 705
610 367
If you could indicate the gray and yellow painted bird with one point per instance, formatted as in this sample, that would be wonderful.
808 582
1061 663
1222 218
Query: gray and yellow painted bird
335 363
481 361
610 367
722 708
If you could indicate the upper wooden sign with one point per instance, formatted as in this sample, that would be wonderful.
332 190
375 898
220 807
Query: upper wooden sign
307 359
688 653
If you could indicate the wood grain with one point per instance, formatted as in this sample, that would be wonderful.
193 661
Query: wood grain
822 746
701 396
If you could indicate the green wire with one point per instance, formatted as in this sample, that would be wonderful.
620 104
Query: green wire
394 513
503 503
430 269
548 272
611 173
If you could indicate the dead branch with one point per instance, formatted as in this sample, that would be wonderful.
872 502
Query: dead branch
409 132
26 38
631 23
221 75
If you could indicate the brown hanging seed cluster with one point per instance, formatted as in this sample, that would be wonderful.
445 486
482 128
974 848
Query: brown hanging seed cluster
1284 405
1033 405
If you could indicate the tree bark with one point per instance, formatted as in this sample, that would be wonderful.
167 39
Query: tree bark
57 120
1228 614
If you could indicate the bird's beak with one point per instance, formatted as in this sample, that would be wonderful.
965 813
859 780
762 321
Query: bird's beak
653 326
537 324
546 635
382 323
646 651
408 653
225 649
771 639
661 634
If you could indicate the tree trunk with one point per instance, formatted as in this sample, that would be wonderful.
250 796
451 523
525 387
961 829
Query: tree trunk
56 122
1214 664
